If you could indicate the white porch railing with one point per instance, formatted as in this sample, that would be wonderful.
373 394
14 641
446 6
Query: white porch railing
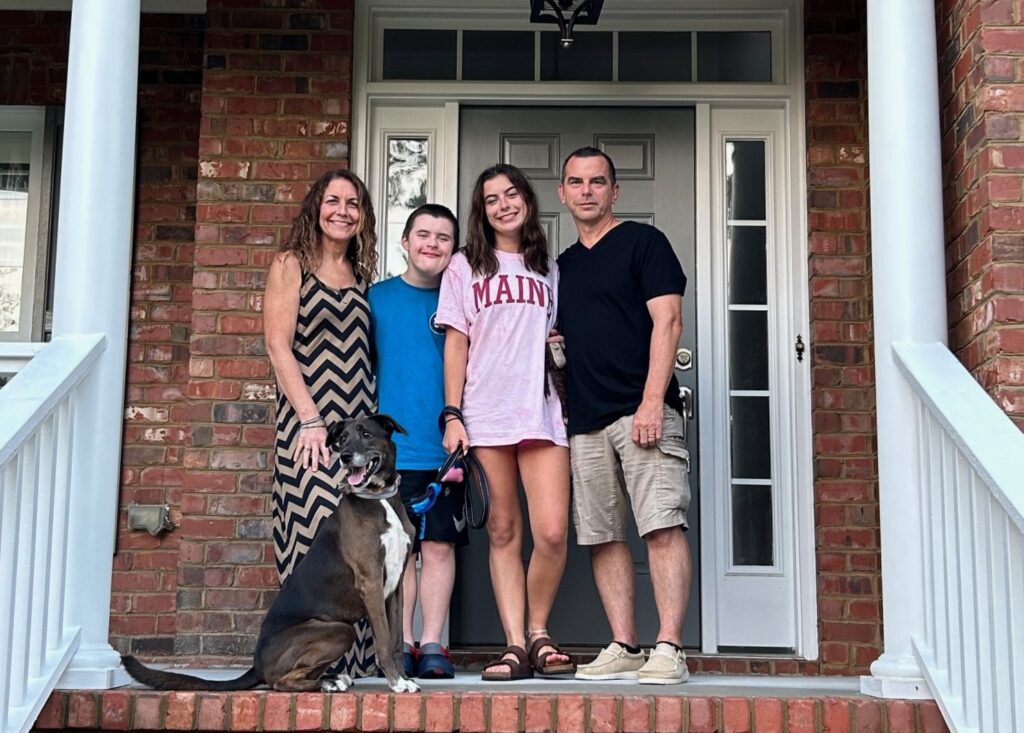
37 418
14 355
971 460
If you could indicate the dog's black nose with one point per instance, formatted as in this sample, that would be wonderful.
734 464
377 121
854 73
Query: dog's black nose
346 456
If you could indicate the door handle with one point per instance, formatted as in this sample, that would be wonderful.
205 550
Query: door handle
686 394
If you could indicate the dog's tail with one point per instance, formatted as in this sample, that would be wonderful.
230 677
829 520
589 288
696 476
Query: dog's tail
160 680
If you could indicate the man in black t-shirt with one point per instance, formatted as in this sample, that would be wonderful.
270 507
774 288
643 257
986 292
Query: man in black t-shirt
620 310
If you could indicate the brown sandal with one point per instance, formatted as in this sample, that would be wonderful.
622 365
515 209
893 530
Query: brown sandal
518 668
539 661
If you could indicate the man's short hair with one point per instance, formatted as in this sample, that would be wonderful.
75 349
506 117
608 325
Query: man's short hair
589 151
438 211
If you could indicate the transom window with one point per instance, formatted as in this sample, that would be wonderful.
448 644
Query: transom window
445 54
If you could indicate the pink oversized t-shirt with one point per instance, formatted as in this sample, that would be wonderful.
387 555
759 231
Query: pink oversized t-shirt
507 317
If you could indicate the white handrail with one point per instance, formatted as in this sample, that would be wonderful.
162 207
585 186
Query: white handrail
14 355
37 640
971 467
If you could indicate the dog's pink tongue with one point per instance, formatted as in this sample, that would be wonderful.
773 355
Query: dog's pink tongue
356 477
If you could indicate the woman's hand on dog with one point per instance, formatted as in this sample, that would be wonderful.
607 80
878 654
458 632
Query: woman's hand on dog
311 450
455 436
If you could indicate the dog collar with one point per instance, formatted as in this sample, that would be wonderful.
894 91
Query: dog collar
386 495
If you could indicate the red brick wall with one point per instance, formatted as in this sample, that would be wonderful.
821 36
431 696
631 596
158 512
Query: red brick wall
842 361
981 46
275 115
33 71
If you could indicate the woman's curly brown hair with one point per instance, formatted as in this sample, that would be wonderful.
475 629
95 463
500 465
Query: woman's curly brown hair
304 238
479 247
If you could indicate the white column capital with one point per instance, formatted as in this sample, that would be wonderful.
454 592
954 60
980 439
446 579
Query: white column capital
909 299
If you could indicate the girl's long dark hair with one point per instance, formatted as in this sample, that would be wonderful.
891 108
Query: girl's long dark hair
304 238
480 234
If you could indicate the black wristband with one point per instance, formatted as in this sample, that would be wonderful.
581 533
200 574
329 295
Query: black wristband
446 411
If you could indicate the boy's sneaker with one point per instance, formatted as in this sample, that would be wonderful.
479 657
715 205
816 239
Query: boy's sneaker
613 663
665 666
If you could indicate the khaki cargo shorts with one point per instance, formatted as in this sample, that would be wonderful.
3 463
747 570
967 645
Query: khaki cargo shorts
609 470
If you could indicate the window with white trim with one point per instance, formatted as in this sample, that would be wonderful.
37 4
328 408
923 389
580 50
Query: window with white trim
27 164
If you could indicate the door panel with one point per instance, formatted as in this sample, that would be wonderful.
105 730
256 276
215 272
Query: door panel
653 149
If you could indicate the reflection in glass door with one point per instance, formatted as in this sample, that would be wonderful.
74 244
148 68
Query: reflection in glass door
749 395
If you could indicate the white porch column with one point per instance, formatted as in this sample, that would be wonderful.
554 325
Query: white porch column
908 276
93 278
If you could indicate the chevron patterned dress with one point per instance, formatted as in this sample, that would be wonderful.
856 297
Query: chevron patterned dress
332 346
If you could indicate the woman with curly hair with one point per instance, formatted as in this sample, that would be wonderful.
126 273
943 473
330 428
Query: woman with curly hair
498 302
317 326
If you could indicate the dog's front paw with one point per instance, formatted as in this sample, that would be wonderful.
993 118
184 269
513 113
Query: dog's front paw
341 683
404 685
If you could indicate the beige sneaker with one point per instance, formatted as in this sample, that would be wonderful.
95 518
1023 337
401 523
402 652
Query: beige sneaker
665 666
613 663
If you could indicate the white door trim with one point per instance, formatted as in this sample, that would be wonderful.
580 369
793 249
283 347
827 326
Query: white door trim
785 95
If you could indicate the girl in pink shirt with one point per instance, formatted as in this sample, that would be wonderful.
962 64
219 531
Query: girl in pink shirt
498 300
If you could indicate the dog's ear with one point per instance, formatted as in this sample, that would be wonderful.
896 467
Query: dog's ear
389 423
334 432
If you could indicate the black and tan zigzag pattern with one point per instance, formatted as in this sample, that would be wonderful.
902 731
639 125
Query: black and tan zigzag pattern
332 346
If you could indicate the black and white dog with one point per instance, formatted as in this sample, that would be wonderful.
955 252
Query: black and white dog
352 570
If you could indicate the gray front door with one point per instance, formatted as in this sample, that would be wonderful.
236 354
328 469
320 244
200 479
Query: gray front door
653 151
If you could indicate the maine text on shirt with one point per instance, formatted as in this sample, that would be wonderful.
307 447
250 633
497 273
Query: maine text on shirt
501 289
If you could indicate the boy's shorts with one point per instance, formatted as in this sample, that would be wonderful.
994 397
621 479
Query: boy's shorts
612 475
445 522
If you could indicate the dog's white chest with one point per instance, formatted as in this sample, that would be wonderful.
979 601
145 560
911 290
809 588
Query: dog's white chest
396 547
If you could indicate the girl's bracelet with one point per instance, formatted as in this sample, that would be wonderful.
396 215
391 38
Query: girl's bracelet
449 413
313 422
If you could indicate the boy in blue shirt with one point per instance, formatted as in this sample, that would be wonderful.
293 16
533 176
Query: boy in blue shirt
410 385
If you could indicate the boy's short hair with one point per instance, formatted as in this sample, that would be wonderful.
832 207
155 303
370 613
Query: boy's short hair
438 211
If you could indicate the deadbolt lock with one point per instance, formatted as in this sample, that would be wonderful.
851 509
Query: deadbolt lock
684 359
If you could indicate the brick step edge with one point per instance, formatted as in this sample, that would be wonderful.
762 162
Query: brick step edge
476 712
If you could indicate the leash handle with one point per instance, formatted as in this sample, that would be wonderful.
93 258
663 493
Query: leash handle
477 506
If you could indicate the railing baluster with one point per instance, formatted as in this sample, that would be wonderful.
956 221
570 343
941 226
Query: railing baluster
968 589
61 487
1015 647
43 547
925 459
951 551
949 579
984 687
935 511
8 544
999 616
24 554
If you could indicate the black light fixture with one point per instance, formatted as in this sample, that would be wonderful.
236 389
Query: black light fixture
580 12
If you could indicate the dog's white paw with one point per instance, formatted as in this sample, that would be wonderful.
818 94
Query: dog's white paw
341 683
404 685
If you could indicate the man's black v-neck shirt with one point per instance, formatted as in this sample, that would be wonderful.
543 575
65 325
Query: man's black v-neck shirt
602 312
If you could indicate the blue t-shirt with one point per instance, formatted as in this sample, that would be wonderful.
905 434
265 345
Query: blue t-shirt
410 368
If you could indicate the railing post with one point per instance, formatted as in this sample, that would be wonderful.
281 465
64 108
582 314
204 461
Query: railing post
908 278
93 278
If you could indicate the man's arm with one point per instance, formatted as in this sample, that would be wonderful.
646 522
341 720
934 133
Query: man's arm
666 312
